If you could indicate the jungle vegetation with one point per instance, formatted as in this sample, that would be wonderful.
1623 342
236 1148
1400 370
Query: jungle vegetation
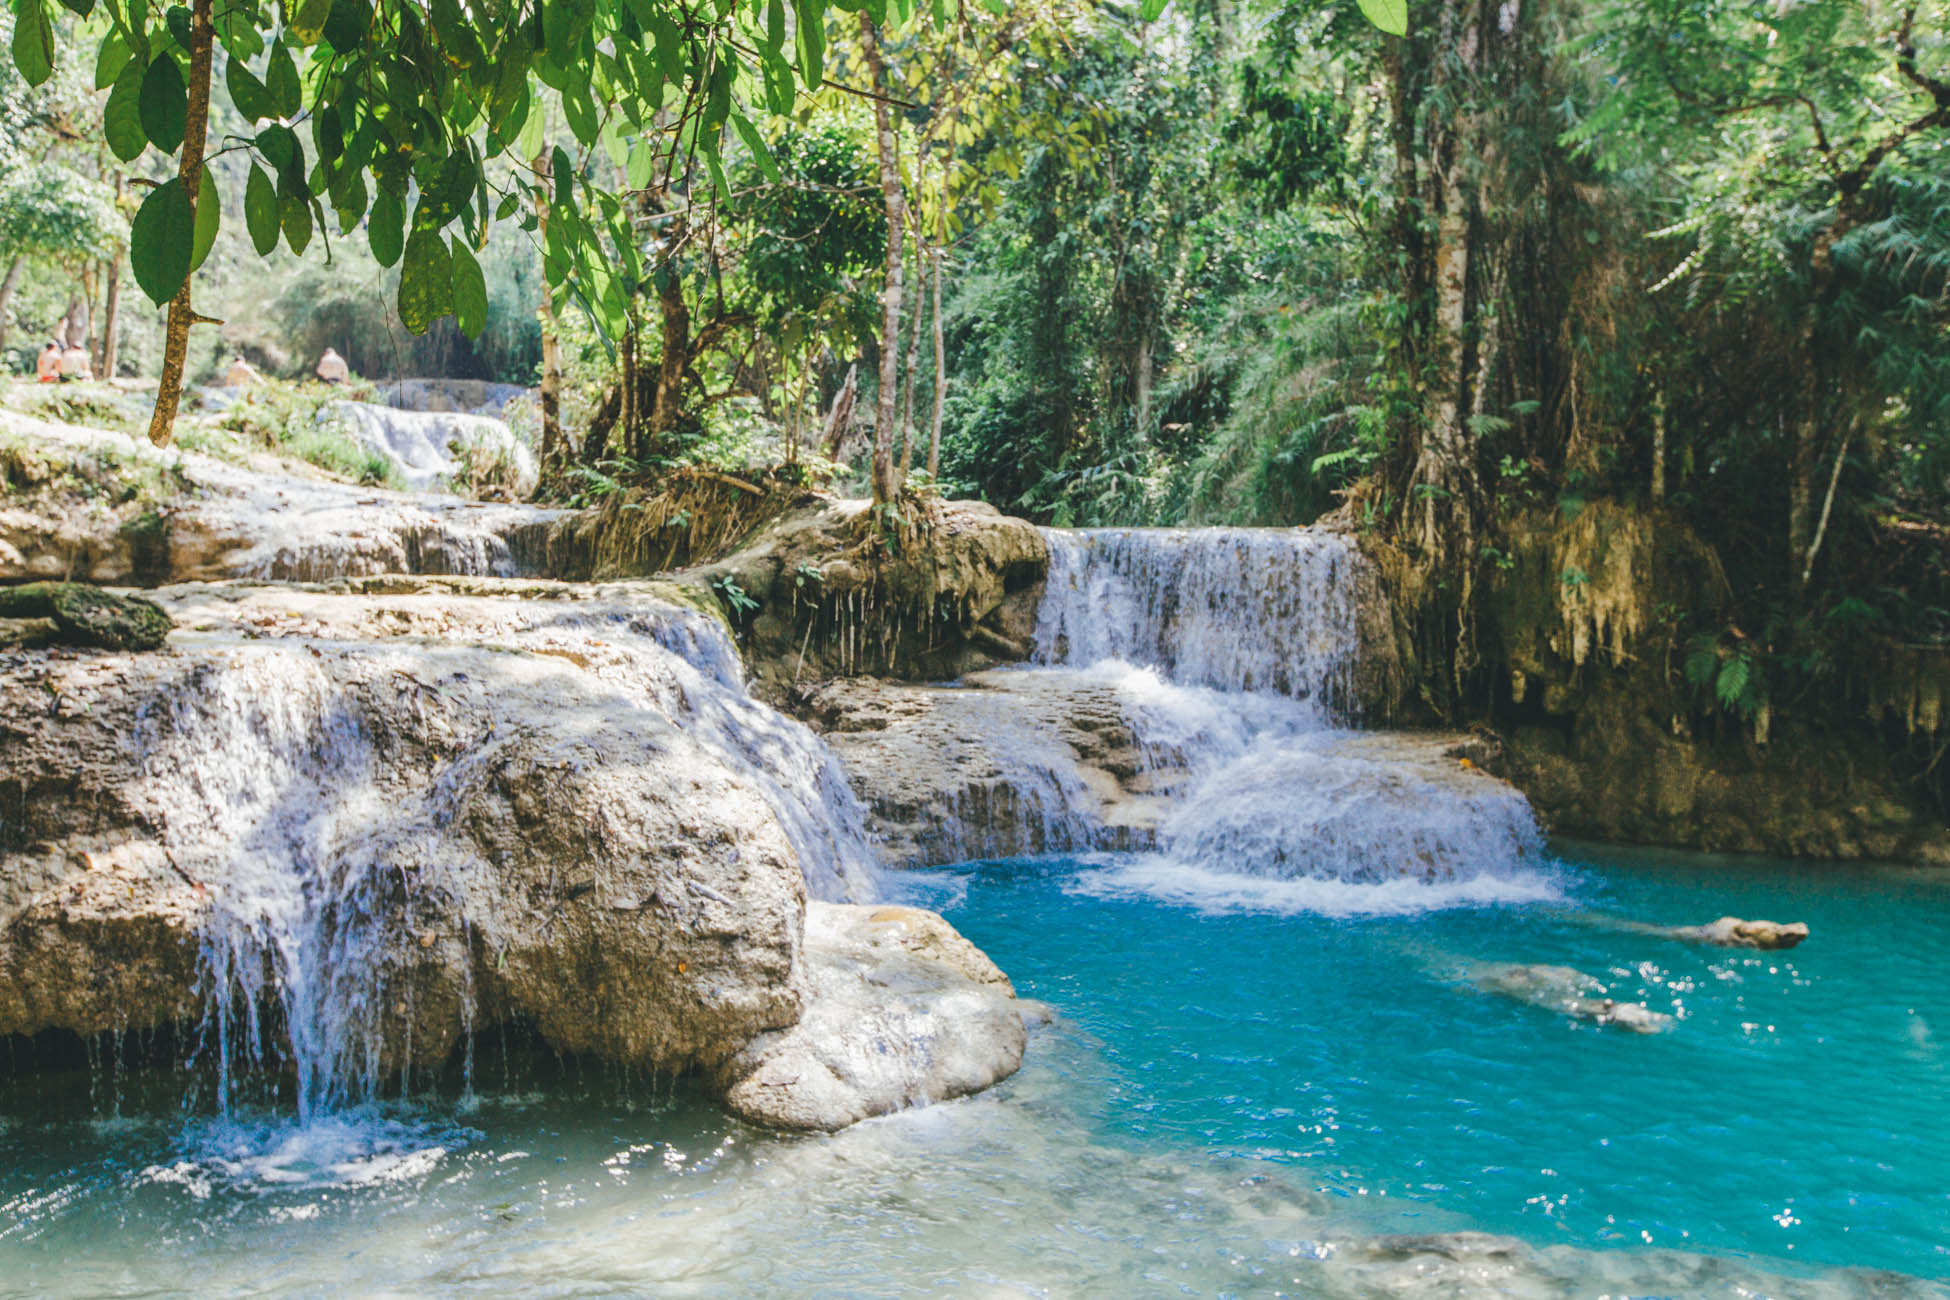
1434 264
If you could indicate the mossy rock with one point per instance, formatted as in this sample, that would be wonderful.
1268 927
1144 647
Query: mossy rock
89 616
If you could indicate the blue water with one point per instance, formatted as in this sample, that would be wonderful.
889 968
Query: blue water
1238 1099
1795 1113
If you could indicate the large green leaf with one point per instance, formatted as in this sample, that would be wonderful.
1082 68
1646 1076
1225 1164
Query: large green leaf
1390 16
261 211
81 8
33 42
281 79
470 291
122 115
811 32
346 26
386 227
160 241
294 214
426 281
209 215
247 92
164 104
110 59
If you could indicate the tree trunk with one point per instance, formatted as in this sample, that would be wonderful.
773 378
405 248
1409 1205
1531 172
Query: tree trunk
111 318
913 360
940 371
189 170
1658 448
555 447
841 417
1443 472
1827 505
7 294
668 405
886 487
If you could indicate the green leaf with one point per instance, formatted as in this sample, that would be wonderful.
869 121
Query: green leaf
177 21
307 25
164 104
756 143
811 36
386 227
1390 16
1153 10
247 92
564 176
426 281
80 8
110 59
281 79
346 26
33 42
261 211
122 116
160 240
470 291
209 215
294 214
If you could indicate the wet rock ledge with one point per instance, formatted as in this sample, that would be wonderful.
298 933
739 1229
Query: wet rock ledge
513 801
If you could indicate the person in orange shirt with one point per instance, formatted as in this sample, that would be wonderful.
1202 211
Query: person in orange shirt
48 368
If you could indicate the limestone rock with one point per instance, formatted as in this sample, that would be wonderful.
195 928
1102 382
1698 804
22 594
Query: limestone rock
521 801
900 1011
1002 764
1733 932
1572 992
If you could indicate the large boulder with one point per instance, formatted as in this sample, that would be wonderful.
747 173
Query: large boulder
903 1012
392 811
83 615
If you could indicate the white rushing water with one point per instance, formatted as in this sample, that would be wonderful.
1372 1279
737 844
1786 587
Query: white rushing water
1234 652
323 852
427 446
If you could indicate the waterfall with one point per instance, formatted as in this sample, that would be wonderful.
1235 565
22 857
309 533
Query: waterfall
315 807
1239 609
422 444
1234 653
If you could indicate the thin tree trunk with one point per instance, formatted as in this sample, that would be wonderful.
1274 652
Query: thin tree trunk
1658 448
189 170
554 445
841 417
112 304
913 359
7 294
940 370
886 487
1827 505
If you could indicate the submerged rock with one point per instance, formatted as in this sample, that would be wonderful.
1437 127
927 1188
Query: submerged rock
901 1011
363 821
1733 932
1560 988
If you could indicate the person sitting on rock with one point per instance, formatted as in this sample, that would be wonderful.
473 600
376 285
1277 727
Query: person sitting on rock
47 368
76 364
332 368
241 374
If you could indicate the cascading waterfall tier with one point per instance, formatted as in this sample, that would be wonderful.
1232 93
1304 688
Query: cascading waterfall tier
1234 654
320 795
1237 609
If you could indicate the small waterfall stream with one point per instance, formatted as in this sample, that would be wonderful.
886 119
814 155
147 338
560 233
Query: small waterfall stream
1234 653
